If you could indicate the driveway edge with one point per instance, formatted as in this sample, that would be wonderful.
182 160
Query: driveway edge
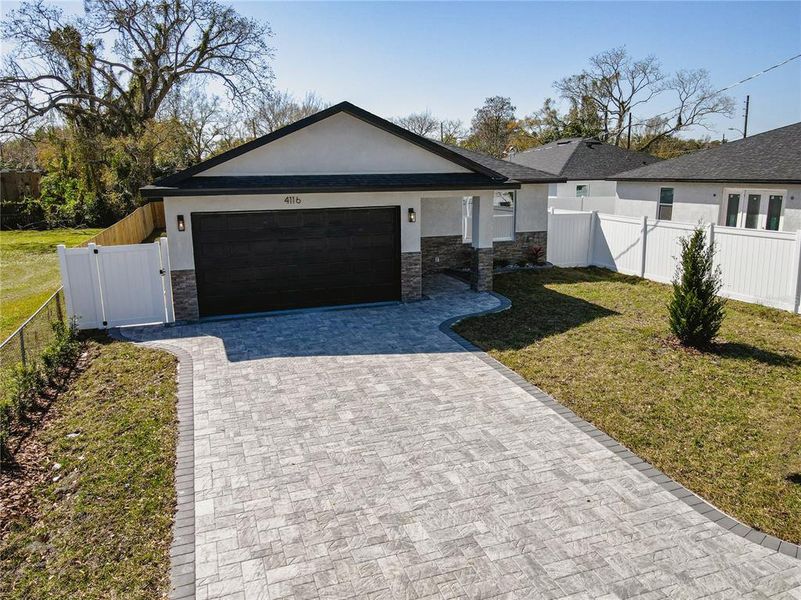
182 549
691 499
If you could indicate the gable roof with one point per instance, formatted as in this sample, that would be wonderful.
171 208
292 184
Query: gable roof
512 170
770 157
582 158
487 172
342 107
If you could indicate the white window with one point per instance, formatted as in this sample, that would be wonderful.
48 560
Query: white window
582 190
503 217
665 210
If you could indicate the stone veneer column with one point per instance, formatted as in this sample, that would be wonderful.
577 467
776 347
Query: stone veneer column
184 295
411 276
481 270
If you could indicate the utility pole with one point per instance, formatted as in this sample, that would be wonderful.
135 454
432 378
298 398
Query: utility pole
441 132
628 138
745 125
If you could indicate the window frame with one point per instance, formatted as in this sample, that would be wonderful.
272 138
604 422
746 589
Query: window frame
582 185
660 204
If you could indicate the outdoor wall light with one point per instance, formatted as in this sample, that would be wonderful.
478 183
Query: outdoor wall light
412 216
181 224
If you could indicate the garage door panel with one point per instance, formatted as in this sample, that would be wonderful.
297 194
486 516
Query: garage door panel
272 260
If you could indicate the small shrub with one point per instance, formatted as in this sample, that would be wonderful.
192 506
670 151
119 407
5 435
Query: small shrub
500 263
27 382
521 263
535 254
695 310
62 350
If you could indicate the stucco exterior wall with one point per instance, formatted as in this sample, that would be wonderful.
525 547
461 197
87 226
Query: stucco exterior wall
441 216
532 207
339 144
694 202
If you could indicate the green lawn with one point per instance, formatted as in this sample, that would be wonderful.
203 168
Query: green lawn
726 424
103 523
29 271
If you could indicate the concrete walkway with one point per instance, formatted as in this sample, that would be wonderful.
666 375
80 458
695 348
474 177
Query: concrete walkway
364 453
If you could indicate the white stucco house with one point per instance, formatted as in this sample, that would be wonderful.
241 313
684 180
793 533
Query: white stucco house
586 164
342 207
753 183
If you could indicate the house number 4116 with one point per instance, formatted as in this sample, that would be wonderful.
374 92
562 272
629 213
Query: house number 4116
292 200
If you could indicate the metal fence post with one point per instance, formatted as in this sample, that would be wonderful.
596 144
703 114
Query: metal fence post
22 345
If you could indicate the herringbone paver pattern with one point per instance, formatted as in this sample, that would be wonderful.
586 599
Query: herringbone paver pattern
364 454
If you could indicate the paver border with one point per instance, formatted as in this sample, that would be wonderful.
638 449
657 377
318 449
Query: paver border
182 548
691 499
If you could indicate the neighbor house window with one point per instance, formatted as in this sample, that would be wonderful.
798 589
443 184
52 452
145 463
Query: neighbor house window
752 211
774 212
732 210
582 190
665 211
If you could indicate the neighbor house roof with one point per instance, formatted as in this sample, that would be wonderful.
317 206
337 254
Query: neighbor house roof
582 158
486 172
770 157
512 170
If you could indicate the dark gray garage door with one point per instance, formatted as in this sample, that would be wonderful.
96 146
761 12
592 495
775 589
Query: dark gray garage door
271 260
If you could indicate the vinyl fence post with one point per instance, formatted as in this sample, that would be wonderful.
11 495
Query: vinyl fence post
591 238
643 237
65 280
796 297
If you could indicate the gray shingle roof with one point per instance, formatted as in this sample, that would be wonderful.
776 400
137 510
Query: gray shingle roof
582 158
516 171
283 184
770 157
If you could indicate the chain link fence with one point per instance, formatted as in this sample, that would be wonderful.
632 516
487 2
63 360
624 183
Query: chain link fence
26 344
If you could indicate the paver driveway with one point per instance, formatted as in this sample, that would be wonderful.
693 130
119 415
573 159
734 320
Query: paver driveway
364 453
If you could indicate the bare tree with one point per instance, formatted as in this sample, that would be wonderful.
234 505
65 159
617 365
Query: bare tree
423 123
279 109
696 100
59 64
201 117
616 83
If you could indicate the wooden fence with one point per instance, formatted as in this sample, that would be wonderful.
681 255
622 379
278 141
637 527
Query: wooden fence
132 229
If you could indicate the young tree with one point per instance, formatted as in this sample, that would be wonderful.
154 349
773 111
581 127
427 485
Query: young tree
696 311
279 109
451 131
492 127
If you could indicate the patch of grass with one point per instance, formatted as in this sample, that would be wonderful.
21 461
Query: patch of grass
29 271
725 423
104 517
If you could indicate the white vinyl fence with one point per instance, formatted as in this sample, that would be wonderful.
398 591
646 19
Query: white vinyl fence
763 267
114 286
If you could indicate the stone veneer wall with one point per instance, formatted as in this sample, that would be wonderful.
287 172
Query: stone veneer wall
481 269
516 250
411 276
451 251
184 295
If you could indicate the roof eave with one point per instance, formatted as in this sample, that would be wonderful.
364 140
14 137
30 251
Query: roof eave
711 180
153 191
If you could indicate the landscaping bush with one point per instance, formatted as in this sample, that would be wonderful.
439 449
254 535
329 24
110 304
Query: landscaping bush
29 380
500 263
535 254
696 311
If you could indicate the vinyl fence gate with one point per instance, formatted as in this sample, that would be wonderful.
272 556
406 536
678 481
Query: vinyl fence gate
114 286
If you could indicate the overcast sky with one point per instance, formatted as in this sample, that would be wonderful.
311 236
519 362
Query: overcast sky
394 58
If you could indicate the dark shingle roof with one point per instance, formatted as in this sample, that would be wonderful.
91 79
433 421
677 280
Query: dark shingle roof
285 184
770 157
515 171
581 158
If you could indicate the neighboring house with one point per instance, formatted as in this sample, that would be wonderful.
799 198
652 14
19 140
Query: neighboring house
342 207
586 164
753 183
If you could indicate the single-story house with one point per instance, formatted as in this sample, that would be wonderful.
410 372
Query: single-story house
586 164
753 183
342 207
